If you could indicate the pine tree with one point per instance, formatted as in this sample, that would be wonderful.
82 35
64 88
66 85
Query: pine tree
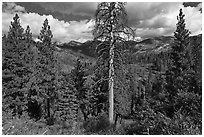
179 78
16 68
45 71
177 56
111 29
67 105
33 106
99 90
46 33
79 77
28 34
15 33
73 95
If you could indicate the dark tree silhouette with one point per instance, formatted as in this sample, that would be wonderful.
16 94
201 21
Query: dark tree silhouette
28 34
178 58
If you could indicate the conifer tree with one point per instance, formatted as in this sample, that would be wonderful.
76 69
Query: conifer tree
15 67
28 34
46 70
15 33
78 77
178 57
112 30
46 34
67 102
180 77
33 106
73 94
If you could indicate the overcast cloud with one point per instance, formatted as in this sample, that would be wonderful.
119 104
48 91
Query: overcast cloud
149 19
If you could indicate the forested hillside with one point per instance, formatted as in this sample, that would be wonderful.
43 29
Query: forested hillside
111 85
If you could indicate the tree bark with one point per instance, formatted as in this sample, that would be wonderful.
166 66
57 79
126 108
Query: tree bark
111 71
111 82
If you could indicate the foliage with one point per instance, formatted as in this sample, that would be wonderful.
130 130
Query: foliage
196 53
67 105
180 77
27 126
22 126
78 78
15 33
28 34
97 124
16 67
44 80
155 93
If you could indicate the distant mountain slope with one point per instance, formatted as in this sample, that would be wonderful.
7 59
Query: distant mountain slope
156 45
88 47
67 58
143 49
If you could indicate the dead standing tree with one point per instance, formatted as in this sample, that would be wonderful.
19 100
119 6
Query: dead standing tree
112 30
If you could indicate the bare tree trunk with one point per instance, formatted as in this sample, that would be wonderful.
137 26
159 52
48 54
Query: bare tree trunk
111 21
111 73
111 82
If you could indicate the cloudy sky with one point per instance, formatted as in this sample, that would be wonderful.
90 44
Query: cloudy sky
75 21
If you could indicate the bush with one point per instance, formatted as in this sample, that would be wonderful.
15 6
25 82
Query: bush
26 126
149 122
97 124
183 125
21 126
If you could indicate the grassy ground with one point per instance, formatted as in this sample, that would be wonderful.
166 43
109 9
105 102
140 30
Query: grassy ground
94 126
27 126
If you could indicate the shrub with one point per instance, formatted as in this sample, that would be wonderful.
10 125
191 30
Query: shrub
21 126
97 124
183 125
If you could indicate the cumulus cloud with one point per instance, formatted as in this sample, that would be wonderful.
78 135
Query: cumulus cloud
193 20
62 31
149 19
156 19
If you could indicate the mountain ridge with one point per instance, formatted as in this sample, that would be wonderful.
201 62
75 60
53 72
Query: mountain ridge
156 44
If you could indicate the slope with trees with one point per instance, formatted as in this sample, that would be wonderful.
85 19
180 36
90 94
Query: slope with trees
153 86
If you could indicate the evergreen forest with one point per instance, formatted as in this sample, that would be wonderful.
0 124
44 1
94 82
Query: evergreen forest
111 85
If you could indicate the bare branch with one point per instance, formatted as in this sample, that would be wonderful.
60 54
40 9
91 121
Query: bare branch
100 80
